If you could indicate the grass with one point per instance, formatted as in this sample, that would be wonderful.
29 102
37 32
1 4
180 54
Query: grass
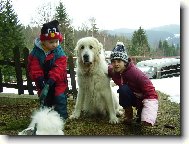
16 113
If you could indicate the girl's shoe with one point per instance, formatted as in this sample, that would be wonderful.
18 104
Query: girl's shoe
128 115
144 123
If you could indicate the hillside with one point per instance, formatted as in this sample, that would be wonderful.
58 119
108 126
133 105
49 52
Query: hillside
171 33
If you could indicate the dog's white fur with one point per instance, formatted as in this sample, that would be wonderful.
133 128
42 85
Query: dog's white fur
94 94
47 121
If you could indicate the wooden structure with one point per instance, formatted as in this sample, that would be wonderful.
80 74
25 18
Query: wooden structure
20 64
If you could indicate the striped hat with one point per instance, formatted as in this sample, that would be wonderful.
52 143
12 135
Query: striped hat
119 52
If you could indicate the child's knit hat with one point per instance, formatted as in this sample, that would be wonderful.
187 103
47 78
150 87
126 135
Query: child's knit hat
50 31
119 52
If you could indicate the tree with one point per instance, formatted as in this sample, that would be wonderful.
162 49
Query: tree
45 13
169 50
11 36
30 34
160 45
165 48
65 28
2 17
159 51
10 30
94 29
139 42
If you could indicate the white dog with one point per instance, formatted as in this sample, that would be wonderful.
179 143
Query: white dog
45 121
94 94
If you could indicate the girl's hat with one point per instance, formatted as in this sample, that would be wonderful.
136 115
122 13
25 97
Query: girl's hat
119 52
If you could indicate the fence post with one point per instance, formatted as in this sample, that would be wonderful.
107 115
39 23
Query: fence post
72 75
158 73
29 81
18 70
1 81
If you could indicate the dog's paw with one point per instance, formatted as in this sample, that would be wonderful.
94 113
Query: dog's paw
74 116
119 113
114 120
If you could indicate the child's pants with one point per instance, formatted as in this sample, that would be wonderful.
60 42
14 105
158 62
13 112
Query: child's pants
126 96
59 102
147 107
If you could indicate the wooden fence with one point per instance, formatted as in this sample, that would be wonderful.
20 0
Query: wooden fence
19 64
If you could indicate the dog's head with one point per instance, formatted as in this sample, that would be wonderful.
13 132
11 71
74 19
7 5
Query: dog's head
88 48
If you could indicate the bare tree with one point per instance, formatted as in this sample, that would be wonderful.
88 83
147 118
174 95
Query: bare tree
94 29
45 13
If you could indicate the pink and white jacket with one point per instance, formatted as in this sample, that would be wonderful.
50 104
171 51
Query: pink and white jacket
141 86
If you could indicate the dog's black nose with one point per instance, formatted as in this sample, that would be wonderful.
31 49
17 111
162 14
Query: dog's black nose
86 57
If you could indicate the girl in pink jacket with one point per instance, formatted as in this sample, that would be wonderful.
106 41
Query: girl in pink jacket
135 88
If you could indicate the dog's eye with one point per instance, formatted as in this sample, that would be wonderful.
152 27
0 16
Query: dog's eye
90 47
82 47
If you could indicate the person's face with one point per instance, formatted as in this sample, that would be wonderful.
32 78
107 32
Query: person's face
51 44
118 65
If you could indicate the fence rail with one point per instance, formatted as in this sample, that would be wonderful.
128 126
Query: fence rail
20 64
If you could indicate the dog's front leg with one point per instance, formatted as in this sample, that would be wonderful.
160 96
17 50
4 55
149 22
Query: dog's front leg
78 107
111 108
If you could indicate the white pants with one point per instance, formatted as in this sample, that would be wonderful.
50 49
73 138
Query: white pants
149 111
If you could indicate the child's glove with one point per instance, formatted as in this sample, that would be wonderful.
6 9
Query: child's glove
44 93
50 82
41 82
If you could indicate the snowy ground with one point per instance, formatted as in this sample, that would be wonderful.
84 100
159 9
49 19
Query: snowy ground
169 86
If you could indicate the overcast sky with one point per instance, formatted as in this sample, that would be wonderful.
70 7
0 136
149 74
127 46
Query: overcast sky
109 14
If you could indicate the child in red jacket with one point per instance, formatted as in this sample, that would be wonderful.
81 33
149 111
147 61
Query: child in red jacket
47 65
135 88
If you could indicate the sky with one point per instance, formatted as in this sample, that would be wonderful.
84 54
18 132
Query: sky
109 14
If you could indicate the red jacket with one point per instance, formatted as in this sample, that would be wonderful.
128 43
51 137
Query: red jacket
137 81
54 69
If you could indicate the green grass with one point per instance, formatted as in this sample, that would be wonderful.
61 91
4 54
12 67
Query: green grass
16 113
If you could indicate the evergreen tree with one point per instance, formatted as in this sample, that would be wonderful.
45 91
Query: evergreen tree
10 31
166 49
173 50
159 50
2 17
10 37
30 34
65 28
178 50
139 42
160 45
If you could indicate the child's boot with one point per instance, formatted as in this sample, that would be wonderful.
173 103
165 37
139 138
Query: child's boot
128 115
138 116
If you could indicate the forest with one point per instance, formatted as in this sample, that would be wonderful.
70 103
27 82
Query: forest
14 34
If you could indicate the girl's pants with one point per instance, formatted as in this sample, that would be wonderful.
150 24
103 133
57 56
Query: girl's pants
127 97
